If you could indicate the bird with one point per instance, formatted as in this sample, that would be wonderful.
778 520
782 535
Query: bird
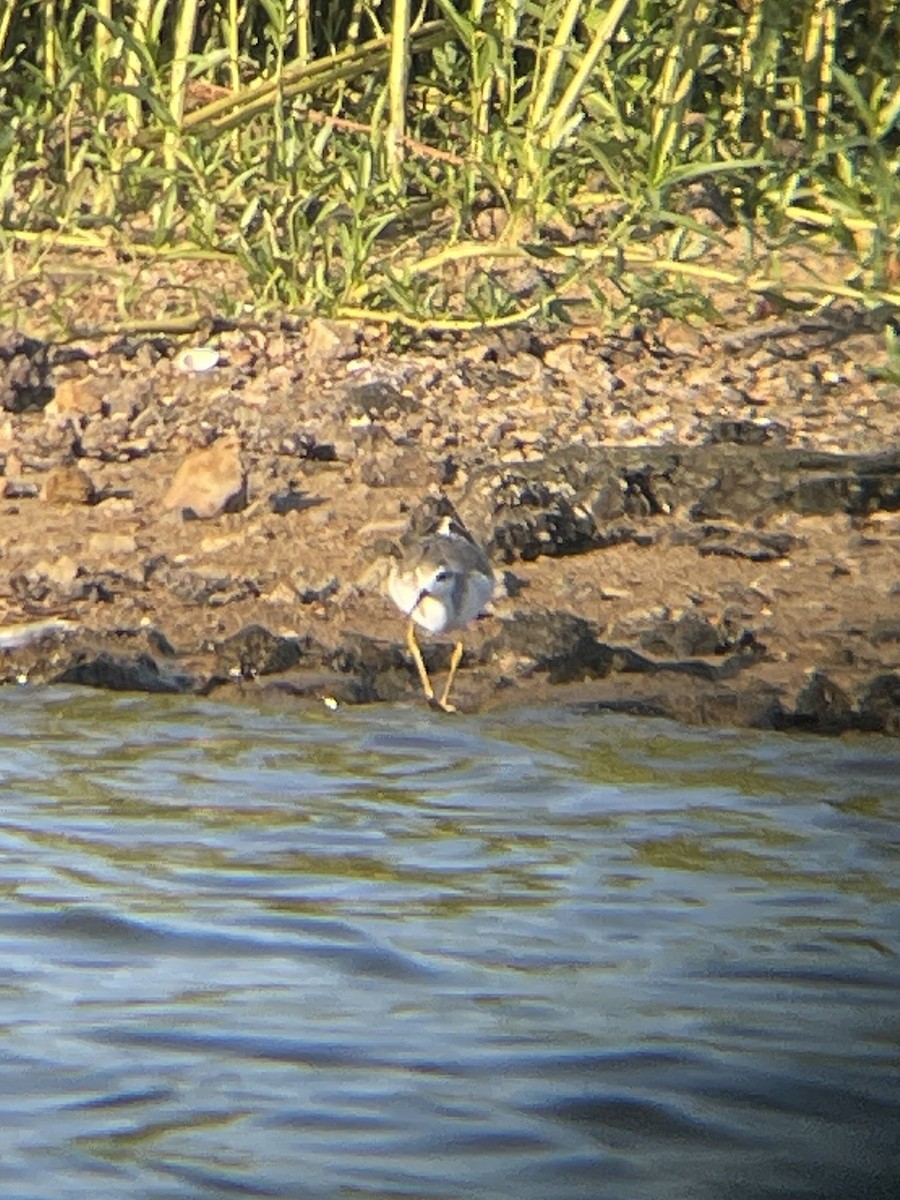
442 582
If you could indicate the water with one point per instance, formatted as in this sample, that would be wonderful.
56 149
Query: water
384 953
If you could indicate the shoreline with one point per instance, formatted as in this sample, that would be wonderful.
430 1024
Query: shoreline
701 525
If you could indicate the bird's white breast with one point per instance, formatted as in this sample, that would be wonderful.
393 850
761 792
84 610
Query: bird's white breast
440 604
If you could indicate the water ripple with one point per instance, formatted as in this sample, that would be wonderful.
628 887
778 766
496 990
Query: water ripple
381 954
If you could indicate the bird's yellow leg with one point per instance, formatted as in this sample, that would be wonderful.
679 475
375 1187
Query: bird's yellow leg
454 663
414 650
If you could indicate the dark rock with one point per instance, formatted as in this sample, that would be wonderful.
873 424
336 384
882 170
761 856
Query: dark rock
32 651
306 446
563 645
379 399
689 635
313 589
487 374
562 504
651 490
886 631
694 701
382 670
17 489
746 433
752 706
755 545
736 484
608 503
532 518
192 587
160 643
57 580
24 372
823 706
254 650
140 674
860 488
879 707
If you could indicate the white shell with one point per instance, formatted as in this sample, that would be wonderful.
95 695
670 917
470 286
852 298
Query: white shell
197 358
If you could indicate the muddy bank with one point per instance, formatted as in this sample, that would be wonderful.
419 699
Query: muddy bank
704 525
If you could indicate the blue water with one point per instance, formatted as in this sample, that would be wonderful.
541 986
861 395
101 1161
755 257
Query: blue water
387 953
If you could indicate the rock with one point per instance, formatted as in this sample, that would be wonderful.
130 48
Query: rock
27 633
69 485
112 545
20 489
688 636
887 630
534 516
879 707
55 579
383 670
857 485
755 545
24 372
313 587
746 433
392 466
680 338
332 341
823 706
255 651
566 357
210 481
108 439
379 399
139 674
561 644
194 588
74 397
558 504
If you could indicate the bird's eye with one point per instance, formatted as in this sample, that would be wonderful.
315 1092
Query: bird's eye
442 575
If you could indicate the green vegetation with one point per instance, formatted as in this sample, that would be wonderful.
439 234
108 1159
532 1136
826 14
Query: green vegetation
459 164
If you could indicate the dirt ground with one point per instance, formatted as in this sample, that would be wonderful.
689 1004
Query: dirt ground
748 572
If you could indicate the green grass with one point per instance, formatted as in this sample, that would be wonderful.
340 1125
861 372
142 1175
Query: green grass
451 166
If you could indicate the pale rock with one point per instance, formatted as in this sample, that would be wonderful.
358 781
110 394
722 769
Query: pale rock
216 542
331 341
490 222
526 436
210 481
61 571
68 485
17 637
680 338
74 396
281 593
123 506
566 358
111 545
313 587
